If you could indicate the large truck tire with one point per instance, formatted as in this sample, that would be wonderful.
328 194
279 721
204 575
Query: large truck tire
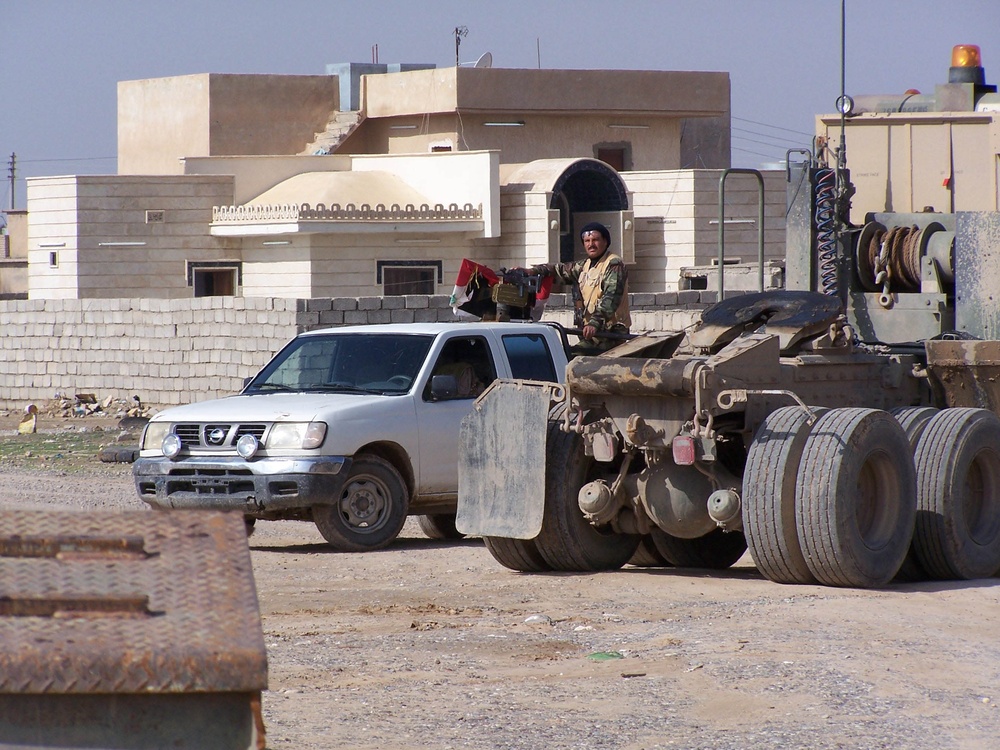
855 498
439 526
913 420
567 541
371 510
517 554
957 531
646 555
717 550
769 495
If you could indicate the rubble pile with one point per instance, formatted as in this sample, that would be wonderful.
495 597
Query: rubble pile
87 405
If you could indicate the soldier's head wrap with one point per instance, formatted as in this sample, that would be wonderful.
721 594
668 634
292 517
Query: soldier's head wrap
596 226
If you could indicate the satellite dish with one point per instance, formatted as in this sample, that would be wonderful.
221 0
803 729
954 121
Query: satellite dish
485 61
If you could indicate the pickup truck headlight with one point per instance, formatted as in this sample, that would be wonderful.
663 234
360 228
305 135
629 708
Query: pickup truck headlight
152 436
296 436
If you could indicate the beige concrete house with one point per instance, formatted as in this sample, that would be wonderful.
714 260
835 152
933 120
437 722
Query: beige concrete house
14 255
264 186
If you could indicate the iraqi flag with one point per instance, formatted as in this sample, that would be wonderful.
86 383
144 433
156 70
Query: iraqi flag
471 295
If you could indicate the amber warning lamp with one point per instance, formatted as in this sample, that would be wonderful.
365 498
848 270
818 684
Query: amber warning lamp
966 65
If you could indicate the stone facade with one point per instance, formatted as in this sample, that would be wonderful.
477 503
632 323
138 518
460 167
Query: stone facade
177 351
122 235
677 223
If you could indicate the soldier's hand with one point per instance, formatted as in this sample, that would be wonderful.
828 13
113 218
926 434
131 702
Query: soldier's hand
588 332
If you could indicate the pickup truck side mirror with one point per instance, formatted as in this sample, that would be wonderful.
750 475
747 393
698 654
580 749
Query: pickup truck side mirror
443 387
246 381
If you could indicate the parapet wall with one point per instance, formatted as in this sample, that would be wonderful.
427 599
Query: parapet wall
176 351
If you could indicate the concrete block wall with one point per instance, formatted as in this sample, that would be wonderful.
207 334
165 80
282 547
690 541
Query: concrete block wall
179 351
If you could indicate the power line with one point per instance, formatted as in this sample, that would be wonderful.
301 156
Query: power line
782 146
775 127
780 139
77 158
755 153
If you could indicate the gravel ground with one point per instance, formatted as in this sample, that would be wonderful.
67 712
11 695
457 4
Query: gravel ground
434 645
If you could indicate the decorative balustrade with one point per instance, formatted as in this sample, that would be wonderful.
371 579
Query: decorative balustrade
347 212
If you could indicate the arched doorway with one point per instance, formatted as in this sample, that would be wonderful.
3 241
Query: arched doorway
576 191
585 186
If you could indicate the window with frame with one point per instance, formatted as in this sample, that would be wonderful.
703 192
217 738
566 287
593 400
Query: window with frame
408 276
470 361
615 155
215 279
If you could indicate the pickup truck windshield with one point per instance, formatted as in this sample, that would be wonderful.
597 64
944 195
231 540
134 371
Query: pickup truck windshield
345 363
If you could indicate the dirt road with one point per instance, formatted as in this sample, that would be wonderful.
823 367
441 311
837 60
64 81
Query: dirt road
434 645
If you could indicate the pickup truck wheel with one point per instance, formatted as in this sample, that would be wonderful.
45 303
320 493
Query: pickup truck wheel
769 496
439 526
855 498
517 554
371 509
717 550
958 495
567 541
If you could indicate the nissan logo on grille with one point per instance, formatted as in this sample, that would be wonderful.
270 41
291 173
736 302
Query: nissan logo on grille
216 436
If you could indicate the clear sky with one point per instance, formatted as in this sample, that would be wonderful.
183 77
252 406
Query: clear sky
60 60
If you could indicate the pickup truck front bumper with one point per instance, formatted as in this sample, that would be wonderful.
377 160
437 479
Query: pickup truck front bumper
250 487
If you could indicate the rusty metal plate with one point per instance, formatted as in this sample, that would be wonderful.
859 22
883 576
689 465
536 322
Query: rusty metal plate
967 372
136 602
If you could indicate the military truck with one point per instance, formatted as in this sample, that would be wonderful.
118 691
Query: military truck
844 429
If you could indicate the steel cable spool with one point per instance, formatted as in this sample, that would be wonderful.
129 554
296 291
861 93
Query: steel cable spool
889 259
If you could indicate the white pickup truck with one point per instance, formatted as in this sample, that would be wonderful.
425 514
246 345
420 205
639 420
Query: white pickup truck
353 428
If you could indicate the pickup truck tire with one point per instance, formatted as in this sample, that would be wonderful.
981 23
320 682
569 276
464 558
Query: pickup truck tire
769 496
717 550
567 541
517 554
370 511
439 526
856 498
957 531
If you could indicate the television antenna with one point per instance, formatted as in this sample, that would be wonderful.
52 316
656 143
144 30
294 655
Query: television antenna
460 31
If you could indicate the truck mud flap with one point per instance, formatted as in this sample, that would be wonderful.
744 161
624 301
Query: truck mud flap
506 428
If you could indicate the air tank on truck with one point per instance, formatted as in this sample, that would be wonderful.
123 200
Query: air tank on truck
844 429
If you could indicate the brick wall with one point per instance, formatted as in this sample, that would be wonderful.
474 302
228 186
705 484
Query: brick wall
175 351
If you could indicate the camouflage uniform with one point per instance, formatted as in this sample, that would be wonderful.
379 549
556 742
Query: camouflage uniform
606 307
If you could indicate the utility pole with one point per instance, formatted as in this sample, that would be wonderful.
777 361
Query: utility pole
460 31
12 168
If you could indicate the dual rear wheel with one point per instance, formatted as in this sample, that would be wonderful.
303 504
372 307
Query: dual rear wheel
839 500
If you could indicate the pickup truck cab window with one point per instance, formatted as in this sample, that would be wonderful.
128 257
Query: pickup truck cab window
469 360
529 357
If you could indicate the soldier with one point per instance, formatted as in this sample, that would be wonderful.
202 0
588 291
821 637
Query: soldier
602 284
